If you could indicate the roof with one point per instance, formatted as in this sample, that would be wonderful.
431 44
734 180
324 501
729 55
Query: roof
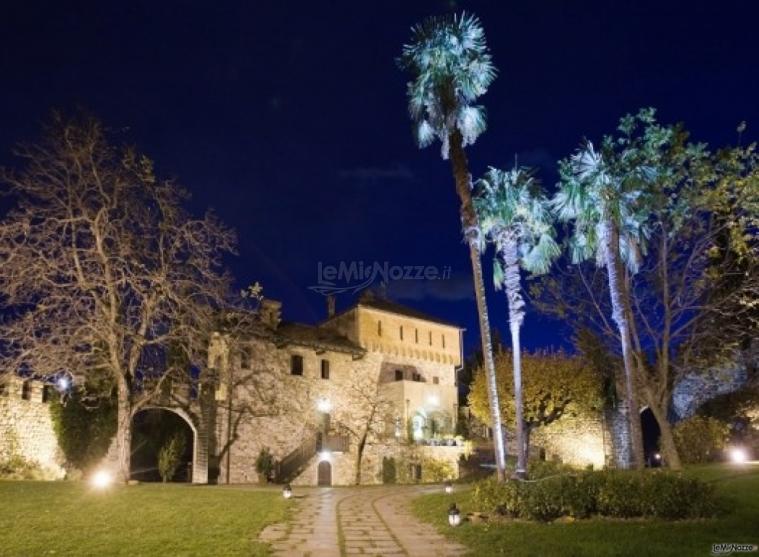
373 301
315 337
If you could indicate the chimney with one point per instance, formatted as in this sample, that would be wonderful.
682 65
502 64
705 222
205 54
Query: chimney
271 312
330 305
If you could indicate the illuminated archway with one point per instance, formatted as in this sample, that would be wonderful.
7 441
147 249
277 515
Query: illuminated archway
151 428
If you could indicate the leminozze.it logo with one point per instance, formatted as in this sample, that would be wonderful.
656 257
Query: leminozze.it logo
728 548
354 276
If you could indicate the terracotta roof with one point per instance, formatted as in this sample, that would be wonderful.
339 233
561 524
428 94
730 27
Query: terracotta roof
315 337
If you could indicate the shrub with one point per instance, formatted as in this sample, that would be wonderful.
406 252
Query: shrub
700 439
265 463
16 467
613 493
170 456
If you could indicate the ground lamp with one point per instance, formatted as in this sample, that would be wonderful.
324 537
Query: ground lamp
101 479
738 455
448 487
454 515
287 491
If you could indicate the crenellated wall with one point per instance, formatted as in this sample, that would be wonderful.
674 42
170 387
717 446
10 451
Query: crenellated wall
26 428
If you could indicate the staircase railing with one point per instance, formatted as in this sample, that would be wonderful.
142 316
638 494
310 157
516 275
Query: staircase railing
291 465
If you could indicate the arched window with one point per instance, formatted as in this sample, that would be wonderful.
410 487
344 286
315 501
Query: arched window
379 328
26 390
401 332
416 336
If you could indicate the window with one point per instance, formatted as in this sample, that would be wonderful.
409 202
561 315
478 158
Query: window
245 358
379 328
416 336
416 377
296 364
430 338
3 389
26 390
398 375
436 380
46 393
442 337
401 332
325 369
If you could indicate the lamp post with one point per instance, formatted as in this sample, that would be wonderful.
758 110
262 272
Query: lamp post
448 486
454 515
287 491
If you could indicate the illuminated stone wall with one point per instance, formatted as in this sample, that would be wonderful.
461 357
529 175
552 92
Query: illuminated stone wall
26 429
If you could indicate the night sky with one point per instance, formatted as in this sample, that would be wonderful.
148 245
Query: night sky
290 120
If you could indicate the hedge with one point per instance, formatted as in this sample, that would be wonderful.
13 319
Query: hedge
620 494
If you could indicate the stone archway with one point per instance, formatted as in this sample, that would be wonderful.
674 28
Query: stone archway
199 452
651 432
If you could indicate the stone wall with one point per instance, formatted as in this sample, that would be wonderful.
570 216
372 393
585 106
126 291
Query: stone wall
26 428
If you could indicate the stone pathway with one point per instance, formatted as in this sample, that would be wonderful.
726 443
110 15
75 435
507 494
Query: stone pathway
369 521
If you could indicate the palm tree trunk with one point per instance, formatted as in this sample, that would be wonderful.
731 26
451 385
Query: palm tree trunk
512 284
610 246
463 181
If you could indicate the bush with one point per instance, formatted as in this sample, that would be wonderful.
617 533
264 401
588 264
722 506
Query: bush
16 467
700 439
170 456
265 464
612 493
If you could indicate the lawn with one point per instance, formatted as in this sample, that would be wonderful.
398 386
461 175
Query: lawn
70 518
739 487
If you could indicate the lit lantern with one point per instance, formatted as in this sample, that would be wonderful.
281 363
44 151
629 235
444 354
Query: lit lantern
63 383
454 515
287 491
448 488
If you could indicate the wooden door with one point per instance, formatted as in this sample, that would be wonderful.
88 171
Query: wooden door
324 474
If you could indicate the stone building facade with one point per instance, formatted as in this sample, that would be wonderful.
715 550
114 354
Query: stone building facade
378 378
26 428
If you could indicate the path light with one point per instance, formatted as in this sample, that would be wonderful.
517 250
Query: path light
738 455
287 491
657 456
454 515
101 479
448 488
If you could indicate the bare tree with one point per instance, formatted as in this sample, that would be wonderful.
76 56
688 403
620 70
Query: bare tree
364 415
103 274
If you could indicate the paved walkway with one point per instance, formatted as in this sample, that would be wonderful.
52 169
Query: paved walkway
358 521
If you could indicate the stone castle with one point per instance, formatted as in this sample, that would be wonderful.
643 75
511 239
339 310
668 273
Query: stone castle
368 395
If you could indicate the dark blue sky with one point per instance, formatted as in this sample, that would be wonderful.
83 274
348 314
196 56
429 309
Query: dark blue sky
289 118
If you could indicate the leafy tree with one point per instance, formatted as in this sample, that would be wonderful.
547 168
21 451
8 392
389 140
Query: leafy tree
692 302
602 192
170 456
516 219
554 385
451 67
701 439
103 271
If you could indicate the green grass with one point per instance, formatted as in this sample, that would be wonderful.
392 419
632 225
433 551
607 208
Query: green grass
739 486
70 518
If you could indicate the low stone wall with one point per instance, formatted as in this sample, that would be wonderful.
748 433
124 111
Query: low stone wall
26 428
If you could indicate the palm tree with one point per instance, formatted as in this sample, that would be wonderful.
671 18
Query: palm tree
451 67
606 205
516 218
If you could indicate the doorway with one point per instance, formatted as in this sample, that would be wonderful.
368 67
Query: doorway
324 474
